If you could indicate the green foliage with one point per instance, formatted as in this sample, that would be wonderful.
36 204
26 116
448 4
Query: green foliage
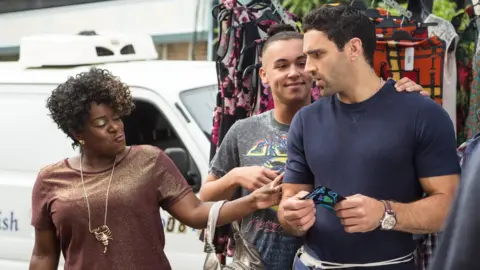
443 8
302 7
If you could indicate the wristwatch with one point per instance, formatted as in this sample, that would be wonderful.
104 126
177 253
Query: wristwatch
389 219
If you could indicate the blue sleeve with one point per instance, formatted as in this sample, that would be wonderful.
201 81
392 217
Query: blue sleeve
435 149
297 169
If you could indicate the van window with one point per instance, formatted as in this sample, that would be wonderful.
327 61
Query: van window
200 103
148 125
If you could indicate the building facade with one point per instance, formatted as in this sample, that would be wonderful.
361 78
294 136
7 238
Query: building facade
181 29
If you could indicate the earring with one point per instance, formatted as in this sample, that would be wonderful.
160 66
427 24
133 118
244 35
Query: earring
82 142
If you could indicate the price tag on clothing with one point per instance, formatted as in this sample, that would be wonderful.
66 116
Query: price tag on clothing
409 58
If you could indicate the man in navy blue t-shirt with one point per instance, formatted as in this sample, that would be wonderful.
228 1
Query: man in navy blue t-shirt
379 148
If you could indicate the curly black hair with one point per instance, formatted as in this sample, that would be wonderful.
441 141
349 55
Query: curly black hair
69 103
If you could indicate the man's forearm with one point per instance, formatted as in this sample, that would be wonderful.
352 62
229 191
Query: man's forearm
237 209
424 216
220 189
290 190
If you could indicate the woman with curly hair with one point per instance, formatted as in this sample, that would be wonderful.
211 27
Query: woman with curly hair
101 208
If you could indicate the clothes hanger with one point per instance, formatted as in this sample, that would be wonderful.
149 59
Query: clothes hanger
270 15
258 2
359 4
217 9
372 12
399 35
387 22
258 5
278 9
393 4
277 13
420 9
224 15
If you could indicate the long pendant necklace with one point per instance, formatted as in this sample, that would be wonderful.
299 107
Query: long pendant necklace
102 233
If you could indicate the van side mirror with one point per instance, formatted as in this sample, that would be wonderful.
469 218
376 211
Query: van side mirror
180 158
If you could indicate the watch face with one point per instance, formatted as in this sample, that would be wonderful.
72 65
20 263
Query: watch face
389 222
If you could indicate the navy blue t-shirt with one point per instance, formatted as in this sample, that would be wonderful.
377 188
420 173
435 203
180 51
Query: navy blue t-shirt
379 148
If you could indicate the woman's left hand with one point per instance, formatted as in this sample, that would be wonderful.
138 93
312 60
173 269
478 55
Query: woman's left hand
406 84
268 195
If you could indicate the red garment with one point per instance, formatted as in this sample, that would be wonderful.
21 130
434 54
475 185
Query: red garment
389 61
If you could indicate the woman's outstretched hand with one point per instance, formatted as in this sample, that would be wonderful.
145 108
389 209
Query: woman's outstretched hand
194 213
268 195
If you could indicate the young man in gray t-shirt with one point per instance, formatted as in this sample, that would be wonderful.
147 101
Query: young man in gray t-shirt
259 143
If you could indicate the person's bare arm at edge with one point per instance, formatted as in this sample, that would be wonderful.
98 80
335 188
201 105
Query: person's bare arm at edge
46 250
298 215
223 188
429 214
218 188
194 213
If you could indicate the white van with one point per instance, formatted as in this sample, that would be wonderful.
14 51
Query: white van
174 106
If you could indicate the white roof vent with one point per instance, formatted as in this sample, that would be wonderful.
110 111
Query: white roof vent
85 48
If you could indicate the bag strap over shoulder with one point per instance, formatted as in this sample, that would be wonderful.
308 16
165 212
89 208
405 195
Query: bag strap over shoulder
212 223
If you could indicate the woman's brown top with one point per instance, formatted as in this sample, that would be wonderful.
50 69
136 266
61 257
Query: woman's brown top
144 180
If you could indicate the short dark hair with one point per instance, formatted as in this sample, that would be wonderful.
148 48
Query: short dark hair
69 104
280 32
342 23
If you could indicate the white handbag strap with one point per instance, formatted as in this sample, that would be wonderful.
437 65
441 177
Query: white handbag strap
212 222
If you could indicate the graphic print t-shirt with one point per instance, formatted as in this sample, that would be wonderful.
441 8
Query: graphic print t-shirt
259 141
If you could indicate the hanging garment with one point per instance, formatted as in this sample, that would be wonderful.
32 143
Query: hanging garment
445 31
421 61
405 49
386 24
465 150
474 105
238 55
465 51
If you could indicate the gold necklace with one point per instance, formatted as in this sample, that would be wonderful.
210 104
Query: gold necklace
102 233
